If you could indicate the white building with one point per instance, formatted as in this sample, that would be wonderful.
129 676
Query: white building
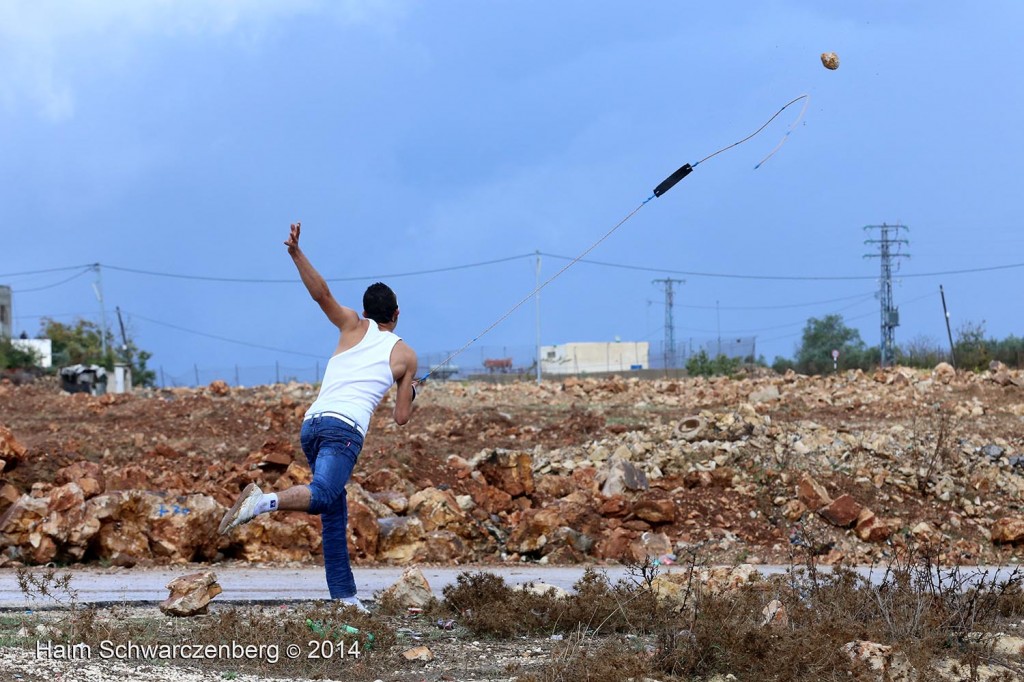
41 348
590 357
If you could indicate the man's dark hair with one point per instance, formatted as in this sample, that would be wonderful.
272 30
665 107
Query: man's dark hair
380 303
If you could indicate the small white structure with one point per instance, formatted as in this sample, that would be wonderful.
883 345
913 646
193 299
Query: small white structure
41 348
590 357
122 379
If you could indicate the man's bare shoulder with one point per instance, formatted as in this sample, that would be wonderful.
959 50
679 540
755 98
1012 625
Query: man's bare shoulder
404 348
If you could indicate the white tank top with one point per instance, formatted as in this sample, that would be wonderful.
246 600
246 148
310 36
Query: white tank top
356 379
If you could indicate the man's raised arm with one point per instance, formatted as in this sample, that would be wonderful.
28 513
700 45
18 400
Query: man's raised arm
342 317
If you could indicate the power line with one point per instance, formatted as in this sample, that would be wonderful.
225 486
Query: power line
244 280
465 266
779 326
855 317
52 315
47 270
223 338
643 268
55 284
779 307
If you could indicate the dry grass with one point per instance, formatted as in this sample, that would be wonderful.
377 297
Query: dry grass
616 631
333 640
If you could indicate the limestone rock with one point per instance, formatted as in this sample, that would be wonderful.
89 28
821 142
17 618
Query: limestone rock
401 539
542 589
793 510
616 545
764 395
419 653
925 533
219 387
8 495
18 530
510 471
1008 530
842 512
11 451
395 501
386 479
88 476
410 590
1008 645
870 528
774 615
281 536
363 530
533 532
184 529
190 594
812 493
444 546
661 510
437 509
650 544
944 372
622 476
873 661
489 498
675 585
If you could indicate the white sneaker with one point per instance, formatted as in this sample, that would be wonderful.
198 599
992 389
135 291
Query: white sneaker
243 510
354 601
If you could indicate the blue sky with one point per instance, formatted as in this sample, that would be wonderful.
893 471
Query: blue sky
184 137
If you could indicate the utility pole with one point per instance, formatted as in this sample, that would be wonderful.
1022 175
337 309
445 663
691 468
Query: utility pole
949 332
124 337
98 288
718 327
670 329
889 251
538 319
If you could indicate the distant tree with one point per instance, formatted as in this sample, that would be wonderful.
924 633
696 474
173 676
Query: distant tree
782 365
81 343
921 351
701 365
821 337
1009 351
13 357
972 351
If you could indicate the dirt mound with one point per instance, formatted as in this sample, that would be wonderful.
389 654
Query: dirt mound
581 470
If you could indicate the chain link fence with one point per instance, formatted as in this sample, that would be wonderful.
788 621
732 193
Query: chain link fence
477 361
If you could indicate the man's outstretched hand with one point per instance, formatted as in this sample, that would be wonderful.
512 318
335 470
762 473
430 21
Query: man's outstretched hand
293 238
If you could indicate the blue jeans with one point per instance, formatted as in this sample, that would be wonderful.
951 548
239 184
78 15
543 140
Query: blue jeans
331 447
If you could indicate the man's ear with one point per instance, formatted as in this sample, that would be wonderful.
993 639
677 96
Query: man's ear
395 318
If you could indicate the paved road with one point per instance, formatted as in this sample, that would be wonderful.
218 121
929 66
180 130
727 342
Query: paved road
242 584
249 583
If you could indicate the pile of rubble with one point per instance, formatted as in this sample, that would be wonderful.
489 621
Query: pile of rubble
750 468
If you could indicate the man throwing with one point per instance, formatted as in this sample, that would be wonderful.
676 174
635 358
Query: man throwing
368 360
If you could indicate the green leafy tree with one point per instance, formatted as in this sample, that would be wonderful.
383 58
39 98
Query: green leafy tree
783 365
1009 351
701 365
81 343
12 357
821 337
972 351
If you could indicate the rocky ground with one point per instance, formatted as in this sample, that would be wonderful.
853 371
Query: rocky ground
755 469
744 469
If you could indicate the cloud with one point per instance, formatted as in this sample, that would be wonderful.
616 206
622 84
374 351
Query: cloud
44 43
